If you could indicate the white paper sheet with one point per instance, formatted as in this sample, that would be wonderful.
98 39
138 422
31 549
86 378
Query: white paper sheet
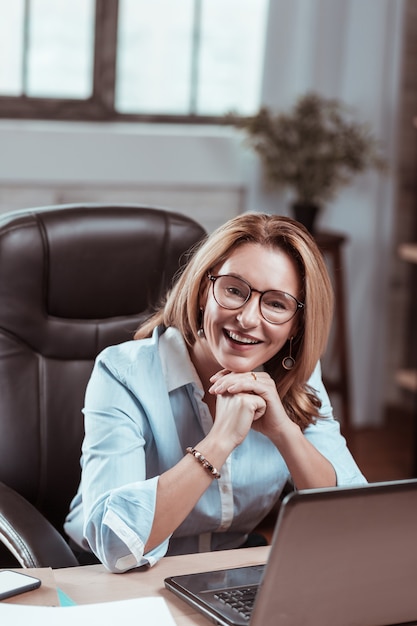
144 611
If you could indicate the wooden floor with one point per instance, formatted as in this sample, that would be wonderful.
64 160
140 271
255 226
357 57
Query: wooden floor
383 454
386 453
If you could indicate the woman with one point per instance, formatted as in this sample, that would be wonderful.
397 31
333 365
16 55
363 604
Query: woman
193 429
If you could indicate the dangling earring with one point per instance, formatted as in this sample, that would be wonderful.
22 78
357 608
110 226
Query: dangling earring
288 362
200 331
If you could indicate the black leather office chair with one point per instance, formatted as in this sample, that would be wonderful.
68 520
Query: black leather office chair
73 279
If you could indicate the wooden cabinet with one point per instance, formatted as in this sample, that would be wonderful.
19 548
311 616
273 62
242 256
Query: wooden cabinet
407 378
331 245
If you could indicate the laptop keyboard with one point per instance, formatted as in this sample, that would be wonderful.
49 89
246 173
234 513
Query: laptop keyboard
239 599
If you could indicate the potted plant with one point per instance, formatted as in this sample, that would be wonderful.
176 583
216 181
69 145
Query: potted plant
313 150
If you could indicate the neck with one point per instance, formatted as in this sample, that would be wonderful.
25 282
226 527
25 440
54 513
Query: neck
205 369
203 364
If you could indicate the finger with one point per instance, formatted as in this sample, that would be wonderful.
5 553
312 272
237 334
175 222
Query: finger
260 412
219 375
234 384
238 404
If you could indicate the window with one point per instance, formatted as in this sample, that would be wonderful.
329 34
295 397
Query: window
158 60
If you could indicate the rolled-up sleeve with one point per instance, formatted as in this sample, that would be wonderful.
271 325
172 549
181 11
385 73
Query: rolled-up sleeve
118 498
325 435
110 533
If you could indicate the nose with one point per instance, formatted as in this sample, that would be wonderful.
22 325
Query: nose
249 314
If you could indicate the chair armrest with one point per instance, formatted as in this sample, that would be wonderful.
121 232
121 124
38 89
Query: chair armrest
28 535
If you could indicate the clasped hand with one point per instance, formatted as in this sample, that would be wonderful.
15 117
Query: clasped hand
245 401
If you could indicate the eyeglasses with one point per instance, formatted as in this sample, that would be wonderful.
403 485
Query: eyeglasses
276 307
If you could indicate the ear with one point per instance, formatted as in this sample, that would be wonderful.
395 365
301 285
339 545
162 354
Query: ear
203 292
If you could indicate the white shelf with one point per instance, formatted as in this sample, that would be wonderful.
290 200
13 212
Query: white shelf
408 252
407 379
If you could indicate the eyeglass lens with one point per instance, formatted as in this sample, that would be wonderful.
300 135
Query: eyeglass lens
276 307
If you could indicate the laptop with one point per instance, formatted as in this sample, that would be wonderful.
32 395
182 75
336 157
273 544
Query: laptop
344 556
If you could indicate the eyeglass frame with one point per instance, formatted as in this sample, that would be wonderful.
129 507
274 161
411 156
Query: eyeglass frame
300 305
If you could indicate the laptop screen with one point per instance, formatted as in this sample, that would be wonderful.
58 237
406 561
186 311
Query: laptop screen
339 556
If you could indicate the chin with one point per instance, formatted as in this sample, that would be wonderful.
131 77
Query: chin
238 365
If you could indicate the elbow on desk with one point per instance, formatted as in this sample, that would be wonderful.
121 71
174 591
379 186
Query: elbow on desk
120 549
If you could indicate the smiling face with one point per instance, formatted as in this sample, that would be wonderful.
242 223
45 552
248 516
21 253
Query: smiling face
240 340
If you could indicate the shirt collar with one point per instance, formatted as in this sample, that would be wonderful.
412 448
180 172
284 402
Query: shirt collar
176 362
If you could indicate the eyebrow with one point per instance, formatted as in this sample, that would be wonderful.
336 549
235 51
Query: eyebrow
245 280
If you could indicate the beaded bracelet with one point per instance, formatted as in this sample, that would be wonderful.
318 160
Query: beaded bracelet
204 462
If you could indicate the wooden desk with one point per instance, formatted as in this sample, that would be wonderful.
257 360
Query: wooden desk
93 583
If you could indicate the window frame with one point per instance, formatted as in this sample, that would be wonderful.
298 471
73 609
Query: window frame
100 106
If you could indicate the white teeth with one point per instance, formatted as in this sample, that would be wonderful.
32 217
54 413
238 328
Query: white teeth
240 339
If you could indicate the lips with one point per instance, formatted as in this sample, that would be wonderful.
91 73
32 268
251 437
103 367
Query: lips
241 339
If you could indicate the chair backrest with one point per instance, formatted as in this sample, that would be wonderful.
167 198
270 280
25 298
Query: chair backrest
73 279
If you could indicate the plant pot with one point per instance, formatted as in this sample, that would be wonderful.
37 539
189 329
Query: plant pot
306 213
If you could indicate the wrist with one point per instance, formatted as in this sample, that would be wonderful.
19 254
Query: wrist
204 462
215 449
286 432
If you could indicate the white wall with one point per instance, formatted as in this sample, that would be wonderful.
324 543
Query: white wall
197 171
349 49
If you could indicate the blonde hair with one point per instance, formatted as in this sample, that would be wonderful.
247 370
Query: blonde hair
181 308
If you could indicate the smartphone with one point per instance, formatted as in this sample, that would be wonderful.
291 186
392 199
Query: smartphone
12 583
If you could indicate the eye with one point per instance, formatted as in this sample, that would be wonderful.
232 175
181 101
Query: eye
277 302
232 288
234 291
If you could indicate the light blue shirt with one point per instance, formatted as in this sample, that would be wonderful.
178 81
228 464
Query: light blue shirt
144 406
